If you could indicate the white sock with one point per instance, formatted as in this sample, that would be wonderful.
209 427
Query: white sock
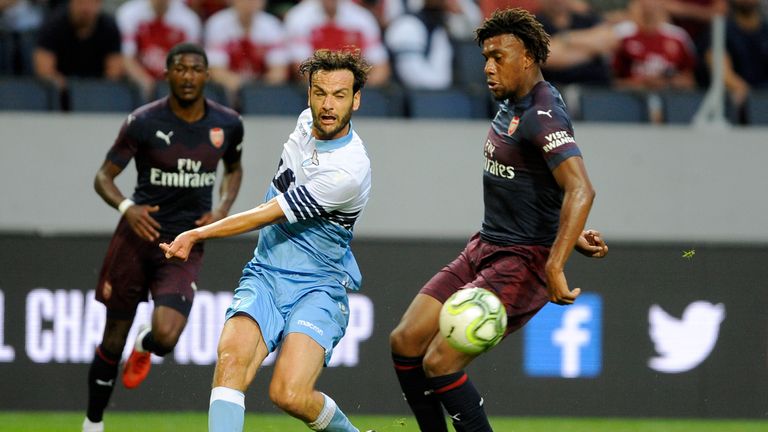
226 412
326 415
138 346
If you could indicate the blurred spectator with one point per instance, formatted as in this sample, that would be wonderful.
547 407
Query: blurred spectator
150 28
244 43
462 16
421 50
337 24
78 41
746 59
280 8
19 20
559 18
695 16
206 8
487 7
652 54
385 11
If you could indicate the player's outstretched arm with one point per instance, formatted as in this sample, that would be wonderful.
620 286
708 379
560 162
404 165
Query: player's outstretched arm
265 214
591 244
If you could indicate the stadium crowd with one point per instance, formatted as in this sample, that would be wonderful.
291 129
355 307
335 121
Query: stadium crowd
640 47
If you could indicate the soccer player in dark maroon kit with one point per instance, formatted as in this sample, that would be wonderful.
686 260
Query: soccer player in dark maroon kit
537 196
177 143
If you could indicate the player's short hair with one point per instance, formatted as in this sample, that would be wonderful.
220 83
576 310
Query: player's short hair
332 60
185 48
521 24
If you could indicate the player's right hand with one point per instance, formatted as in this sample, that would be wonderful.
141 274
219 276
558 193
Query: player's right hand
142 223
559 293
180 247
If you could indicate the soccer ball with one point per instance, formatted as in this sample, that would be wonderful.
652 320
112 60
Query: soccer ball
473 320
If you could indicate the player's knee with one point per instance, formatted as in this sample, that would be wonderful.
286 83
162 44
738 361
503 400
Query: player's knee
436 365
165 342
288 398
407 342
400 339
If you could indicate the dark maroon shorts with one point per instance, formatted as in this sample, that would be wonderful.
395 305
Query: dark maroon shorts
514 273
134 267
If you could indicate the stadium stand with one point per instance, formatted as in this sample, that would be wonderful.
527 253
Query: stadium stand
95 95
605 105
449 103
386 101
213 91
286 99
27 94
679 107
757 108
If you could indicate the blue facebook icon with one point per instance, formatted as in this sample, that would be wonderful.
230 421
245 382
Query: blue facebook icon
566 341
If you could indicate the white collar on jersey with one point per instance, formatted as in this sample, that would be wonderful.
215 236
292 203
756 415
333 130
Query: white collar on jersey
329 145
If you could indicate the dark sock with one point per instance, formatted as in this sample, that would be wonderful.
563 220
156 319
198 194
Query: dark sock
101 382
423 402
462 401
150 345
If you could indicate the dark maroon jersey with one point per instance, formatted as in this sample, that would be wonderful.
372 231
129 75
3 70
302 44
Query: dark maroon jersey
176 161
528 139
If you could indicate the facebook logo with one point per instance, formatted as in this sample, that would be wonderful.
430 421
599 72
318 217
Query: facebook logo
565 341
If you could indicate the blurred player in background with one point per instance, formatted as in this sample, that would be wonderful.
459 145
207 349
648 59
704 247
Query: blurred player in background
537 197
177 143
292 294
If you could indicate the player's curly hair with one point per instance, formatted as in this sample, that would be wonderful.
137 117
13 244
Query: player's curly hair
331 60
521 24
185 48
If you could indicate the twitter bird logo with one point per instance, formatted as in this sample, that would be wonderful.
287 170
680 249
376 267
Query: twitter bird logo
682 344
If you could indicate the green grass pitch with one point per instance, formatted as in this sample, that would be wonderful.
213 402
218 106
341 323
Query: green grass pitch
197 421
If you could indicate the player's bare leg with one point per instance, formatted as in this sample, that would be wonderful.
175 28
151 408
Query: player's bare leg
409 342
240 353
417 327
160 339
292 388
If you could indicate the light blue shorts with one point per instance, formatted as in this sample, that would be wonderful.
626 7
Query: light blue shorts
295 304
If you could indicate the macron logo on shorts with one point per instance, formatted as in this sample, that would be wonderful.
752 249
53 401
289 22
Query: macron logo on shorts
311 326
565 341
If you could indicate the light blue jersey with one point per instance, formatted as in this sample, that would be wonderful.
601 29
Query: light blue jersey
322 187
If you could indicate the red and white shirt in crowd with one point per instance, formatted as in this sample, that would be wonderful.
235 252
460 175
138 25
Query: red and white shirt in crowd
149 37
665 51
309 28
248 52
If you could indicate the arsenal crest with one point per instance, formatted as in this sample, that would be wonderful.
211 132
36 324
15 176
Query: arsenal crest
513 125
217 137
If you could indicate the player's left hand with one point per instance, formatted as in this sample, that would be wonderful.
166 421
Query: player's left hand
211 217
590 243
559 293
180 247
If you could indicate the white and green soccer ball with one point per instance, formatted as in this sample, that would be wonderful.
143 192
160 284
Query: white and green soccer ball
473 320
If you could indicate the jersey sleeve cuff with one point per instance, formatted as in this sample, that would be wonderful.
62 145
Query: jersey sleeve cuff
286 208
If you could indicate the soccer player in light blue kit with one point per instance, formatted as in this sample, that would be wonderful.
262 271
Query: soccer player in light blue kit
292 294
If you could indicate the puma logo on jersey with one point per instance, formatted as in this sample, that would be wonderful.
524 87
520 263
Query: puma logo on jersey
165 137
547 113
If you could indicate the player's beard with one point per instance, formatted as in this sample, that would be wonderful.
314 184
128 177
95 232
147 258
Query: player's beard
325 134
